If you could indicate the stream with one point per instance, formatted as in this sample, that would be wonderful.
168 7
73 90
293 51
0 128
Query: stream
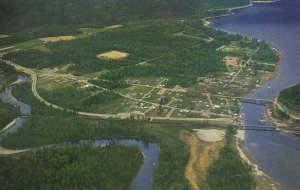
150 151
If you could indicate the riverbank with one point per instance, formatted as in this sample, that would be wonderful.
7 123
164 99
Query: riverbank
82 164
271 151
263 181
281 119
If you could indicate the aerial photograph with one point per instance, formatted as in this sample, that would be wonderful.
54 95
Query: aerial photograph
149 94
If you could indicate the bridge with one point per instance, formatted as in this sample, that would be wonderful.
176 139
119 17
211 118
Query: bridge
257 101
257 128
262 102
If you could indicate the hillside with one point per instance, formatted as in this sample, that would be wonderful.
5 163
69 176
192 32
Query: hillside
290 98
60 17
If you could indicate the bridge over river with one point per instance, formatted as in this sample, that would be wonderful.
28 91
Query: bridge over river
262 102
258 128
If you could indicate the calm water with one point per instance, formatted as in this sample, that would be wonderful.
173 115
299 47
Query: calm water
278 154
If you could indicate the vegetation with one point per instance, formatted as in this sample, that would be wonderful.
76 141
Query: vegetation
108 84
7 74
46 126
71 168
165 39
8 113
74 98
229 172
290 98
56 17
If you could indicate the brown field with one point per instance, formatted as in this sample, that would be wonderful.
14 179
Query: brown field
232 61
58 38
114 26
202 154
114 55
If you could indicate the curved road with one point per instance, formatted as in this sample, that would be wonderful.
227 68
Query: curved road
227 120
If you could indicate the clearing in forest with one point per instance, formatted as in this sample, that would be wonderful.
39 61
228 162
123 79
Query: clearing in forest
114 55
58 38
231 61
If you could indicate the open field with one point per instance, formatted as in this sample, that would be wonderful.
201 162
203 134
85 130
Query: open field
114 55
58 38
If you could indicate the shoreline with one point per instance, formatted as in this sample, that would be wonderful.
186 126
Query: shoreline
206 21
263 181
281 124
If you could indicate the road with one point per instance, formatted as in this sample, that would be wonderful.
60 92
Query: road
33 74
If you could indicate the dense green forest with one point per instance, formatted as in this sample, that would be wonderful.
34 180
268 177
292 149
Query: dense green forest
290 98
7 75
7 113
53 17
179 58
73 168
228 172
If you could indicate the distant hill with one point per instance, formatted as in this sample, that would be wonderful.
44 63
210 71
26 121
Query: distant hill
33 15
290 98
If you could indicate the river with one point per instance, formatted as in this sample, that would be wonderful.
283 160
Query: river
276 153
150 151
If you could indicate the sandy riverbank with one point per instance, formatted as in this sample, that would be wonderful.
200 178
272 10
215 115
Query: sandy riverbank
263 181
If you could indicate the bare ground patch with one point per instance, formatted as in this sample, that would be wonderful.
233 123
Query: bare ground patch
202 154
4 35
114 55
114 26
58 38
210 135
231 61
